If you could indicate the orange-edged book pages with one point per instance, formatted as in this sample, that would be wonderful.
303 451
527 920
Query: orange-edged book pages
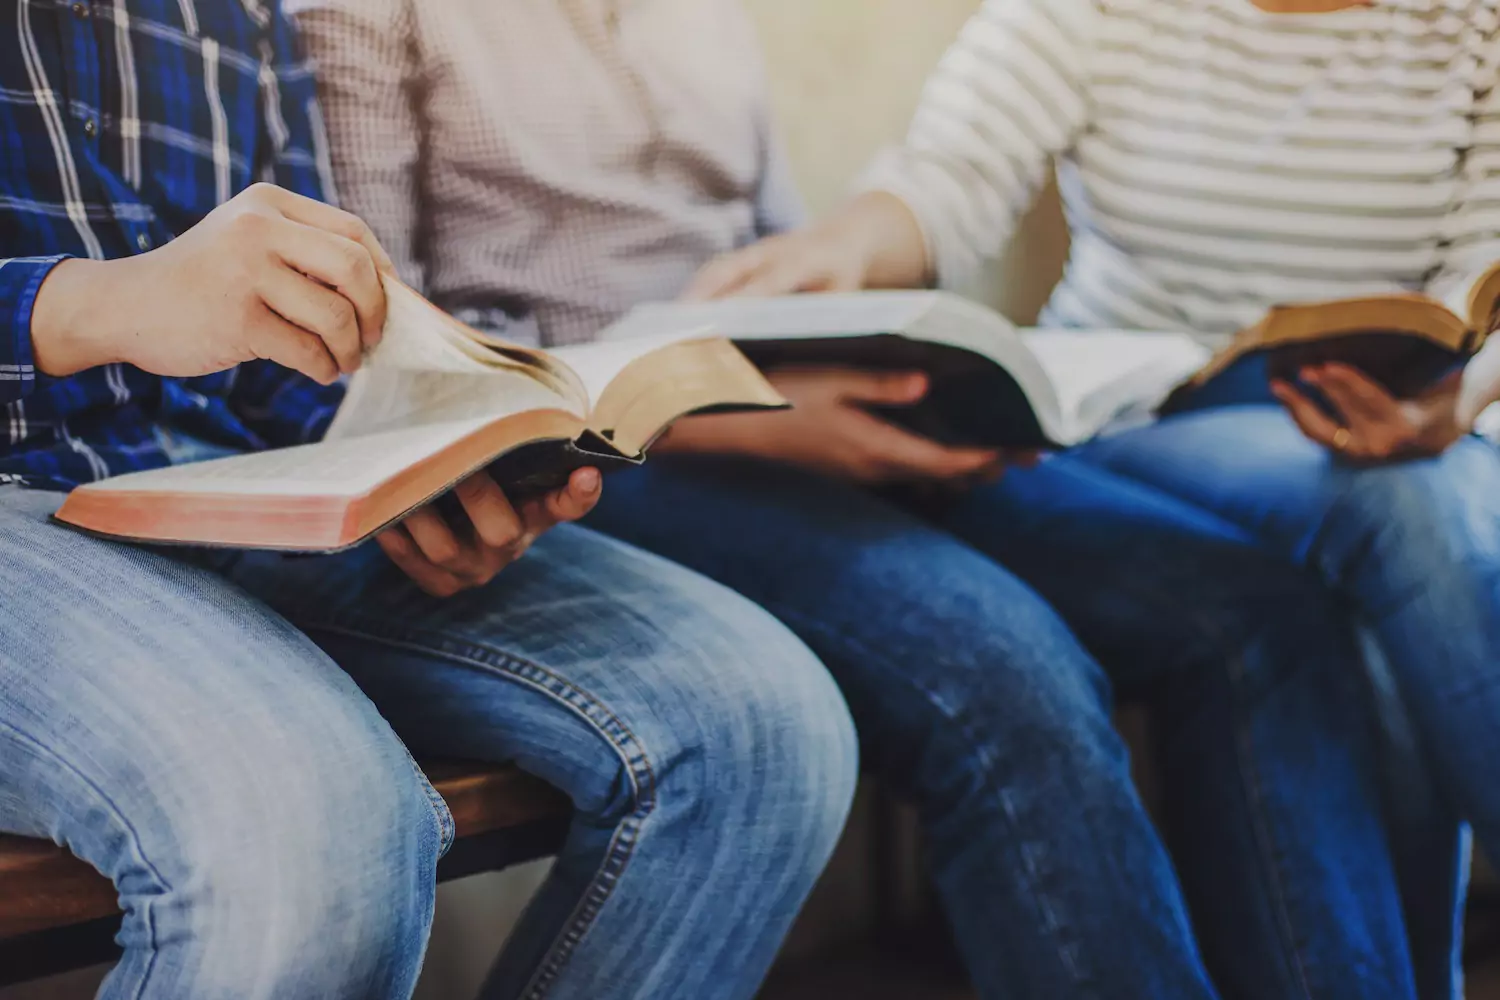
435 403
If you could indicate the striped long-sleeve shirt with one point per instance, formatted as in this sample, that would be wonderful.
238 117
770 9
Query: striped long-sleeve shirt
1215 158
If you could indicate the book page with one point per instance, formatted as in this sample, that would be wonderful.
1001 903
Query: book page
783 317
386 399
598 364
1476 300
419 336
348 468
1099 375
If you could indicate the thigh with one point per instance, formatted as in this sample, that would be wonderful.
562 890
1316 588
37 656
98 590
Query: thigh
592 664
204 754
1154 585
931 641
1248 464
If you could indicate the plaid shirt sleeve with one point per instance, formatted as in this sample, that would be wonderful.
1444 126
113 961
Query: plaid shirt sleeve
281 406
20 280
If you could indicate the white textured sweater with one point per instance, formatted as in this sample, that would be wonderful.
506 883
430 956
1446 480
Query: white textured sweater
1215 159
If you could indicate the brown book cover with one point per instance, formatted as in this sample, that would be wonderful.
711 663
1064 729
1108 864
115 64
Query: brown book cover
1403 341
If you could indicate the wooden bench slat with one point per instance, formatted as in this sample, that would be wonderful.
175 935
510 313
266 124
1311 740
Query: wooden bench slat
42 886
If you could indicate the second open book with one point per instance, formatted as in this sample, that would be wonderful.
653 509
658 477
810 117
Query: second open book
436 402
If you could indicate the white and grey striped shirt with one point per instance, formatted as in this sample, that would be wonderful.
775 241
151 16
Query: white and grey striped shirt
1215 159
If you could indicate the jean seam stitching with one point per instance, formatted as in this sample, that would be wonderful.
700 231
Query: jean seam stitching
1250 777
145 911
637 764
447 828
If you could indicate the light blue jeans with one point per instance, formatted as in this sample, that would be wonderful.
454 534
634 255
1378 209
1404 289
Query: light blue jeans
218 735
1413 549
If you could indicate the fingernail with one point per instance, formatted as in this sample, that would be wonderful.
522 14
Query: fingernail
589 481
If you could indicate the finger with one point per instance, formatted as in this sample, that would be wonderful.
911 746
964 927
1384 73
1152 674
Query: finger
1356 395
323 216
1316 424
787 278
316 308
272 338
574 501
495 520
343 265
401 550
721 277
440 546
571 503
882 388
905 455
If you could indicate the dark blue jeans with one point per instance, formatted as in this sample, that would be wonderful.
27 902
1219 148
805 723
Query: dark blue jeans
986 701
1413 549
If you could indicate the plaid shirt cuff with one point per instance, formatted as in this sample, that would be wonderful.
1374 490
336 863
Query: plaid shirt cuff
20 280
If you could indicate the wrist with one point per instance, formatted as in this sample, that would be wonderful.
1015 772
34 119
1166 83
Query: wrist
883 233
69 330
720 434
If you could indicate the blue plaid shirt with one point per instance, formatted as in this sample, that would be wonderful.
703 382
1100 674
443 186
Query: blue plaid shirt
123 123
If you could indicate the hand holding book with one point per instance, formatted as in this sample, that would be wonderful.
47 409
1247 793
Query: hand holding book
1369 423
445 553
831 429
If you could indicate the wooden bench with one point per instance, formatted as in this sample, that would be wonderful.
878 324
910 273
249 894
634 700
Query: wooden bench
57 913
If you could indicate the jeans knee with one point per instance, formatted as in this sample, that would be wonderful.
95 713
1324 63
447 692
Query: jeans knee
243 879
768 742
1422 521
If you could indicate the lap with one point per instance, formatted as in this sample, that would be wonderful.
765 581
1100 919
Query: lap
582 655
1157 587
925 635
1252 466
147 706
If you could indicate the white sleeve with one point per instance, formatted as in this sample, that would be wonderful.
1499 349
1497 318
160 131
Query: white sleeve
1007 98
1471 234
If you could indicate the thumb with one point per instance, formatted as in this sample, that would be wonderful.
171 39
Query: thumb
884 388
570 503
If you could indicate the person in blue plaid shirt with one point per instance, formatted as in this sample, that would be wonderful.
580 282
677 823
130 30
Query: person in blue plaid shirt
218 732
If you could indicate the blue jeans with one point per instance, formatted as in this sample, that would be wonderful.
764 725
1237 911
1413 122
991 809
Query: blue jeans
1414 550
219 735
976 701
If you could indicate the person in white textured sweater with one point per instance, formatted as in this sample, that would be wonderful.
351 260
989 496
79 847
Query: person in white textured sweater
1217 157
536 166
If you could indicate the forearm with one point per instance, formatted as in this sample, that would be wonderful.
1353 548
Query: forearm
719 434
1008 98
888 237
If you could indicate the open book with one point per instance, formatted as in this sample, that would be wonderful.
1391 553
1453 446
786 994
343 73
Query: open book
433 404
992 384
1404 341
